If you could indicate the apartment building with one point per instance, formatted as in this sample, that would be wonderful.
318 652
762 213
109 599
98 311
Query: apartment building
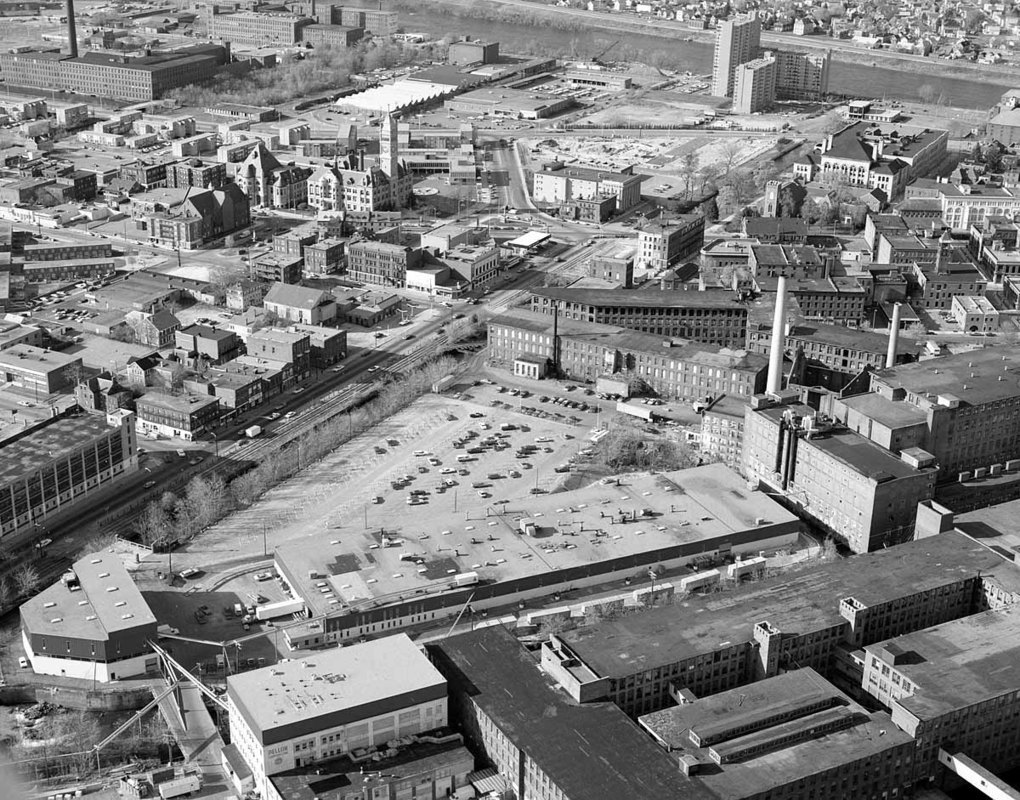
381 263
737 41
754 86
801 76
50 466
334 703
284 347
165 416
667 243
195 172
709 317
859 492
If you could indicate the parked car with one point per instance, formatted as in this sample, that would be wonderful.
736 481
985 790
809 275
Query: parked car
190 572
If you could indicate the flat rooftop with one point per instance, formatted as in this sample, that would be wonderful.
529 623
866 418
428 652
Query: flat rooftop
855 450
808 600
717 720
843 337
24 357
643 298
588 751
960 663
359 569
340 778
335 687
885 411
979 370
49 441
107 601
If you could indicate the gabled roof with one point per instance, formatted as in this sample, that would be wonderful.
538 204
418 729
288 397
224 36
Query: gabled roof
163 320
846 145
286 294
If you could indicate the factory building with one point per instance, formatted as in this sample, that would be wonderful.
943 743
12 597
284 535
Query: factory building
92 624
257 28
816 618
52 465
584 351
708 317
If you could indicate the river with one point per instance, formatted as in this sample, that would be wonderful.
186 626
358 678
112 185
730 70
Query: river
852 77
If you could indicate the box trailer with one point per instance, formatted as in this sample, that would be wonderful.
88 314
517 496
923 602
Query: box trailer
253 431
443 383
283 608
180 787
641 412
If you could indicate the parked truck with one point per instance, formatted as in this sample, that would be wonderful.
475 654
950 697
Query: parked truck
253 431
180 787
282 608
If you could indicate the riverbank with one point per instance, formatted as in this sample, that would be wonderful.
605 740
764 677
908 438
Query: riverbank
529 29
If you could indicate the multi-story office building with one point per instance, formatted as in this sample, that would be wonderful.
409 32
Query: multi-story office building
669 242
801 76
93 624
754 86
558 183
531 345
709 317
50 466
381 263
176 416
259 28
737 41
817 618
334 703
195 172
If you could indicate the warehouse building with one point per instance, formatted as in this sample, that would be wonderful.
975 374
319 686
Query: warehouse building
92 624
38 371
258 28
504 102
337 702
664 244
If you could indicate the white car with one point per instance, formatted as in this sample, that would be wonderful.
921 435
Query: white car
43 543
190 572
421 452
263 576
447 471
374 368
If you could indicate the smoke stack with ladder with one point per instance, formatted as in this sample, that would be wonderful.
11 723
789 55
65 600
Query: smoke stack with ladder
775 377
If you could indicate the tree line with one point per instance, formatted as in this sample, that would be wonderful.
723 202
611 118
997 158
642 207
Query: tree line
208 499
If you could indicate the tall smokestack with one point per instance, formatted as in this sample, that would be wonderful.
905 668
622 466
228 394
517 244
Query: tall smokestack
72 34
775 378
894 336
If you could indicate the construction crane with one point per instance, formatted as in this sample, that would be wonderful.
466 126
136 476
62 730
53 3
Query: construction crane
597 59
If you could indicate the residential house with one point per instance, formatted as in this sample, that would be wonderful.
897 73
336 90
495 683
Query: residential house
156 329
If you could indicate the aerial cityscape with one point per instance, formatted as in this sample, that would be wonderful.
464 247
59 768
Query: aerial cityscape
510 399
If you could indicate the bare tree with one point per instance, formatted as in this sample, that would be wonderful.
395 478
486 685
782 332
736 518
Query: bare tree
154 525
26 580
74 373
730 150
